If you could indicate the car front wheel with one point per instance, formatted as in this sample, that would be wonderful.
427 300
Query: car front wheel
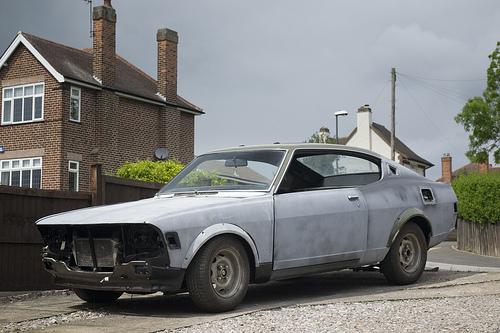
407 256
97 296
217 278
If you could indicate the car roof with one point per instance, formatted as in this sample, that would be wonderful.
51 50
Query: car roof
291 146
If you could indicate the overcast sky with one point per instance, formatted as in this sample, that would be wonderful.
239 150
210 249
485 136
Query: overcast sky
267 71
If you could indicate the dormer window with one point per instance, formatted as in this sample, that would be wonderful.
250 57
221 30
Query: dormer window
22 104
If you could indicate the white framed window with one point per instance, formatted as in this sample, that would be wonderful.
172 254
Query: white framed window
75 104
22 104
23 172
74 175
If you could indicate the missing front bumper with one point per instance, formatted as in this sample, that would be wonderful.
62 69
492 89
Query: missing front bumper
134 276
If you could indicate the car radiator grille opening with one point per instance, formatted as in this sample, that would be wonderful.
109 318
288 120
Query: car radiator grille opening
102 247
106 252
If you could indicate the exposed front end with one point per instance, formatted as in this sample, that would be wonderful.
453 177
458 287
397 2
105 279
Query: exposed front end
113 257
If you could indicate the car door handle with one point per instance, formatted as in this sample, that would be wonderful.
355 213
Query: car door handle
353 197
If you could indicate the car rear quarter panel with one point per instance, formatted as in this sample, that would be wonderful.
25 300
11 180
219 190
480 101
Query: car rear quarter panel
389 198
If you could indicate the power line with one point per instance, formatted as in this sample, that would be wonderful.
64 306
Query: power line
380 94
438 87
435 79
459 99
419 105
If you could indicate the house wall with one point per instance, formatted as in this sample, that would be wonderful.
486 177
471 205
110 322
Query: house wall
131 133
125 130
186 140
379 146
79 139
20 140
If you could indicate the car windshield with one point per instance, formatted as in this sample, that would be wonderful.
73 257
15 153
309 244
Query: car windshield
228 171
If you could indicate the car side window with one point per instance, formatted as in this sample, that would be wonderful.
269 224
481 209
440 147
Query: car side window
316 170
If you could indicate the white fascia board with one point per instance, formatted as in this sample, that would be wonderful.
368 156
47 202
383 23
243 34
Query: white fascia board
21 39
189 111
82 84
137 98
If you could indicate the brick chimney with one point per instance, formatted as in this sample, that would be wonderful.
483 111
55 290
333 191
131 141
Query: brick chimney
446 168
104 44
167 63
363 123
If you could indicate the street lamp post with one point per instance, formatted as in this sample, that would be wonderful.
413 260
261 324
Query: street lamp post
337 114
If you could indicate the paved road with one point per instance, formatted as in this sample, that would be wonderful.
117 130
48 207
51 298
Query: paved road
446 252
65 313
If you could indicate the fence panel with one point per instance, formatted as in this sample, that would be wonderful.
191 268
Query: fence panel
118 190
20 242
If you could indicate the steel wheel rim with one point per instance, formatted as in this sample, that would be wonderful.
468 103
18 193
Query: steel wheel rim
226 272
410 253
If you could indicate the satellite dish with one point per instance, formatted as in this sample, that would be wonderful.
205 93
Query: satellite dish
161 153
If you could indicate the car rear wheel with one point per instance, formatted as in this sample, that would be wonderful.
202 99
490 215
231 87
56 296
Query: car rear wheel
217 278
407 256
97 296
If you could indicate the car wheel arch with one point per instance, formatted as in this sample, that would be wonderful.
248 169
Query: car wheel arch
411 215
222 229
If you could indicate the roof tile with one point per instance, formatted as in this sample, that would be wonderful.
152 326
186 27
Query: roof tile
76 64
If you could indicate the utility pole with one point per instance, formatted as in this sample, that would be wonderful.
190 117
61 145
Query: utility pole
393 112
89 2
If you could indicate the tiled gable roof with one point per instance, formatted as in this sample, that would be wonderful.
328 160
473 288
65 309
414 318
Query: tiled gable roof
76 64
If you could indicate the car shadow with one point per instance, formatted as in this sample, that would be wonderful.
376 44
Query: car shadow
273 294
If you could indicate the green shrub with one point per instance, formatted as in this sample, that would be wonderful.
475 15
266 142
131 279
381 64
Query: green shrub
478 197
203 178
150 171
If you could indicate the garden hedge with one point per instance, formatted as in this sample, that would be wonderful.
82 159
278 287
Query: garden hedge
478 197
150 171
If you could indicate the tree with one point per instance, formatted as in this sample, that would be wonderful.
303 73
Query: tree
321 136
480 116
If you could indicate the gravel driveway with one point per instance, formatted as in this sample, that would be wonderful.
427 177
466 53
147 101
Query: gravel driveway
456 314
342 301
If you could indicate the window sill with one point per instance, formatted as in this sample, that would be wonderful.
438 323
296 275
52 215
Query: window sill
23 122
75 121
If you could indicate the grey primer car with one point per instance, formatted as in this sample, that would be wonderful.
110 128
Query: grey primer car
250 215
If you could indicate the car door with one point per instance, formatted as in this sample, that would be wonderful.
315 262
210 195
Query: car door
321 216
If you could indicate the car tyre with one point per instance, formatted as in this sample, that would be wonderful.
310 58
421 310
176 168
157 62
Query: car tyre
405 261
97 296
217 278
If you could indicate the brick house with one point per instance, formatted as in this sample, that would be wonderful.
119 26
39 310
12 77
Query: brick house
447 173
64 109
375 137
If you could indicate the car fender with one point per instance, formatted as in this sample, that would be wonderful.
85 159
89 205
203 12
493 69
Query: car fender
213 231
402 219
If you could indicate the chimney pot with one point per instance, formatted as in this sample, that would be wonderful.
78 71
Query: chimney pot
107 3
365 108
166 34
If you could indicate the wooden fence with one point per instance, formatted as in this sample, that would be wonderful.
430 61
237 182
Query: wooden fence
20 242
482 239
